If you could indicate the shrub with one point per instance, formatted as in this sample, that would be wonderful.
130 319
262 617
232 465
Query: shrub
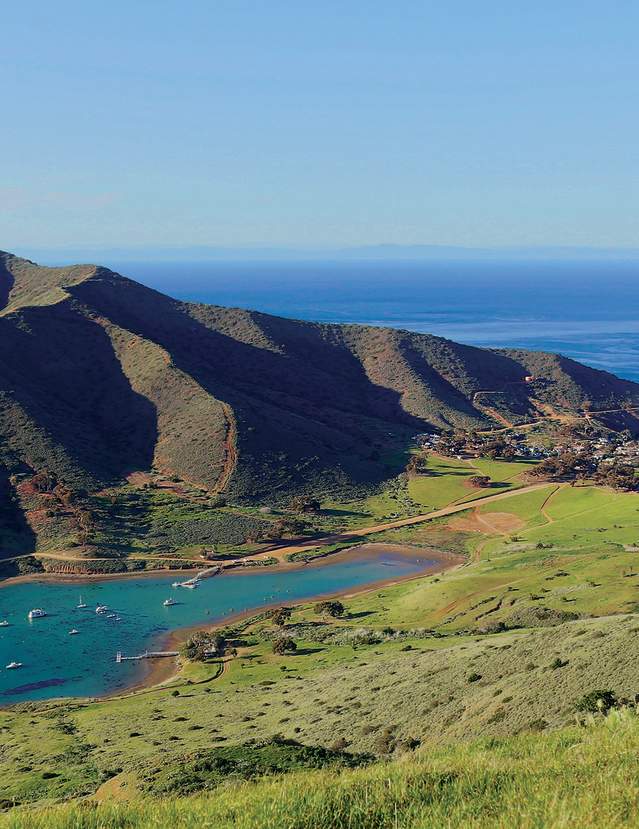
280 615
597 702
284 644
304 503
474 677
332 608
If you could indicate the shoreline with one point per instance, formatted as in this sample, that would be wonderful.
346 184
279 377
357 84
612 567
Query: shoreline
156 673
159 673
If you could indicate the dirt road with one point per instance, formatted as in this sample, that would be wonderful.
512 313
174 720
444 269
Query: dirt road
281 552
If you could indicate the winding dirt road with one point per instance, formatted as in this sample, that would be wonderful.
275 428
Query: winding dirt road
282 551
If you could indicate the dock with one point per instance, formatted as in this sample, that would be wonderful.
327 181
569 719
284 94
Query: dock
203 574
120 657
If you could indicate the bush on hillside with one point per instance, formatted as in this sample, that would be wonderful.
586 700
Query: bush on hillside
479 481
283 645
280 615
332 607
597 702
209 768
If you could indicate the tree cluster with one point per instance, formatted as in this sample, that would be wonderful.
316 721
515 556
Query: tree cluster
200 645
330 607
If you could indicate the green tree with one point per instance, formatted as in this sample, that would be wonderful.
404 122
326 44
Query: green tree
202 643
479 481
280 615
331 607
283 645
304 503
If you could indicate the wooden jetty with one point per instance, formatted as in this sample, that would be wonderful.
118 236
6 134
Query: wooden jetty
120 657
203 574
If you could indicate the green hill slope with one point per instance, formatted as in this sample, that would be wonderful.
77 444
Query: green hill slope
101 377
585 777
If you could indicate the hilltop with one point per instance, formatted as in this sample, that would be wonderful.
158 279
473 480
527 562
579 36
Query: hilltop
103 379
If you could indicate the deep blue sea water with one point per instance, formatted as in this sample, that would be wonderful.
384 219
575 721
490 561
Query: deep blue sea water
585 310
57 664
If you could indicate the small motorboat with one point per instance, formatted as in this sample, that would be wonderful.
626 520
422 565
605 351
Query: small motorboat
12 665
4 624
73 632
102 608
36 613
169 602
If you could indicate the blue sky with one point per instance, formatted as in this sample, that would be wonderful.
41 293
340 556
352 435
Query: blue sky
290 122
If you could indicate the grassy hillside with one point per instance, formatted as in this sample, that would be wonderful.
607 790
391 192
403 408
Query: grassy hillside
230 401
505 644
584 777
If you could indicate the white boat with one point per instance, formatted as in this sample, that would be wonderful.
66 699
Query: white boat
73 632
82 604
4 624
176 584
111 616
169 602
36 613
12 665
102 608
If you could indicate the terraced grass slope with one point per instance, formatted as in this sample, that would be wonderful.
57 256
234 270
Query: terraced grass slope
101 377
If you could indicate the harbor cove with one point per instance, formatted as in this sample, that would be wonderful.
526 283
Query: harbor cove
53 662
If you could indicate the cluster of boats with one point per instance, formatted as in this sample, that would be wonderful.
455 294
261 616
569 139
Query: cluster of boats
101 610
40 613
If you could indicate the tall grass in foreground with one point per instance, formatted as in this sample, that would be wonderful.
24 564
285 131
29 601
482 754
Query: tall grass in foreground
577 778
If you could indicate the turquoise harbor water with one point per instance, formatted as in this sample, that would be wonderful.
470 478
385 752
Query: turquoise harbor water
57 664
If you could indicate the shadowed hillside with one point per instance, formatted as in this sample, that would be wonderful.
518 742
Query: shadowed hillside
101 377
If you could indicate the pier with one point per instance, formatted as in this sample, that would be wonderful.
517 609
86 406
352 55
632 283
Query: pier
119 657
203 574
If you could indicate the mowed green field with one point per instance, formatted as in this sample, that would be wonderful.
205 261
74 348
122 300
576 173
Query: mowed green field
577 551
447 480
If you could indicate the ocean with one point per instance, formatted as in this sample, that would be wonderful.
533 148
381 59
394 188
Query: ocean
585 310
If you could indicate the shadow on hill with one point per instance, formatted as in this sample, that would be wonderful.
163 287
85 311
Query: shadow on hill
343 513
85 417
6 282
311 410
451 472
16 536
